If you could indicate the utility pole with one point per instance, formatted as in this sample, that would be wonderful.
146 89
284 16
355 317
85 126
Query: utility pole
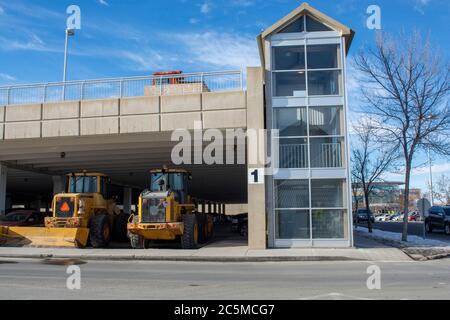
431 178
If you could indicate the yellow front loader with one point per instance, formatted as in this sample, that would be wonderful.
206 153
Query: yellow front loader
81 215
167 212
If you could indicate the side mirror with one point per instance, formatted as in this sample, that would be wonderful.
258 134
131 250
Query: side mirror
190 176
161 182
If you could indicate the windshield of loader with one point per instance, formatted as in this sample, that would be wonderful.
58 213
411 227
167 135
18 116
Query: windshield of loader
83 184
174 181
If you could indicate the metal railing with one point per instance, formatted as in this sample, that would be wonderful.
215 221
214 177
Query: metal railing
330 155
293 156
122 87
296 156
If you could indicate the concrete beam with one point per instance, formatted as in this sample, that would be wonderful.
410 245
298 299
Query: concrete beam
3 176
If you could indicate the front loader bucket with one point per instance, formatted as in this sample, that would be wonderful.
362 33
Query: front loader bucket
43 237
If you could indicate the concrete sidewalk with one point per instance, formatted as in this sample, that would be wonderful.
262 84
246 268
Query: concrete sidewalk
221 251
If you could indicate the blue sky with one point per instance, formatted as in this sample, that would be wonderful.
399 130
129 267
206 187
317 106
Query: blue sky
137 37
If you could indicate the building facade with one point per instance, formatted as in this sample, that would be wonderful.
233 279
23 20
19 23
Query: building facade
125 128
308 197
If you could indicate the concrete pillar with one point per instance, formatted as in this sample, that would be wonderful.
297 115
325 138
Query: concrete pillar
127 199
3 176
256 191
59 184
203 206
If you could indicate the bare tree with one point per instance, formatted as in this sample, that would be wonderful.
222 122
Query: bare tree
370 160
442 190
405 86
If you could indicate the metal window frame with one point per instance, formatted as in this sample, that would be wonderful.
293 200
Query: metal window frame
348 240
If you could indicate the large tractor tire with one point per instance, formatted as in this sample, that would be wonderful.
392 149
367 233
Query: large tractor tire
428 227
189 239
120 227
100 231
136 241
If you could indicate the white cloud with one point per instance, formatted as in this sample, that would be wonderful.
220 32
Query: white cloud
146 60
436 168
242 3
220 49
420 5
33 43
7 77
205 8
103 3
2 11
193 21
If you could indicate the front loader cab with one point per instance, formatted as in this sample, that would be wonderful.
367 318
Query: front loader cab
80 189
167 212
88 183
171 180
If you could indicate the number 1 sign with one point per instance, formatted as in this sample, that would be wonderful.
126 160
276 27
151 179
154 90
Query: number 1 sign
256 176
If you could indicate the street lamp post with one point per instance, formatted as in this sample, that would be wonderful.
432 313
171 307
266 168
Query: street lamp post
69 33
430 177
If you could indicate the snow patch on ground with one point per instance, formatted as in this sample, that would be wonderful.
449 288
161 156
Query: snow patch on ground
413 241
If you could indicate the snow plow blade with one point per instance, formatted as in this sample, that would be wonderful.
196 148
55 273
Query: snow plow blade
44 237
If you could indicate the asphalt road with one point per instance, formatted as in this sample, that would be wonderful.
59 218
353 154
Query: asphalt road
33 279
414 228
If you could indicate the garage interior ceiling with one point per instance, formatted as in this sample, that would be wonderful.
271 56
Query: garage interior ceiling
127 159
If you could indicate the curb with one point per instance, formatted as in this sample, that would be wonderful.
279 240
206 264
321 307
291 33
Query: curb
179 259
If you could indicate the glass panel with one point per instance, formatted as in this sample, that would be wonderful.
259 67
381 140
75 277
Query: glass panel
289 84
158 182
291 194
314 25
289 58
176 181
323 56
83 184
327 193
290 121
326 152
328 224
325 121
293 153
296 26
324 82
292 224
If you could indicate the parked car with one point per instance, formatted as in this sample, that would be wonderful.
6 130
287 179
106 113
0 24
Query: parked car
438 218
362 215
382 217
413 216
23 218
396 217
240 224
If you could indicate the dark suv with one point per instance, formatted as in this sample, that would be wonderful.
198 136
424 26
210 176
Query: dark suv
362 215
438 218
